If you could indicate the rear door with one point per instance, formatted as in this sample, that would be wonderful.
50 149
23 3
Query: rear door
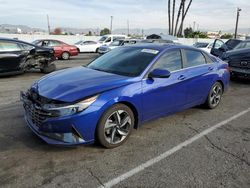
165 95
200 72
11 56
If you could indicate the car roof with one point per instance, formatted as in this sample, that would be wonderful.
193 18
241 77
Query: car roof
161 47
15 40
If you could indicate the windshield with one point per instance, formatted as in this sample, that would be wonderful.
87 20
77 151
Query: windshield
201 45
243 45
103 38
79 42
124 61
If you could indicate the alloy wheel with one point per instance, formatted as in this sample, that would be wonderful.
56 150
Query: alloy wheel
65 55
117 126
215 95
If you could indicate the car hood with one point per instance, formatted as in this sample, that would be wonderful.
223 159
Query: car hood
78 83
235 53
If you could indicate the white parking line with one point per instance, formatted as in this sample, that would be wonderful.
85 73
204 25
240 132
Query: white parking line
164 155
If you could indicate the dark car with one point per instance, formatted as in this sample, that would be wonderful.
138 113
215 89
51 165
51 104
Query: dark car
239 62
219 47
17 56
62 50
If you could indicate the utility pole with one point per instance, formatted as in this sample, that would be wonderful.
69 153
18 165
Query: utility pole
237 21
111 24
128 26
48 23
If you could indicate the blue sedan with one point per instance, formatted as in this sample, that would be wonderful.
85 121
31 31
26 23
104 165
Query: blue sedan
121 90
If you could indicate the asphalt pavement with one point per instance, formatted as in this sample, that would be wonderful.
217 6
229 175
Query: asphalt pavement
220 158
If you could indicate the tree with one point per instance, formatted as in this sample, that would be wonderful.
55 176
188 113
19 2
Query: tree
169 19
89 34
174 27
57 31
183 17
105 31
226 36
173 12
178 16
188 32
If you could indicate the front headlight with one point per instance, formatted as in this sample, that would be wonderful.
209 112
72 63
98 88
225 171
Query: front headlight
59 110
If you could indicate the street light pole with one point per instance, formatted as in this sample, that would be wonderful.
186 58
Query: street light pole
237 21
128 26
48 23
111 24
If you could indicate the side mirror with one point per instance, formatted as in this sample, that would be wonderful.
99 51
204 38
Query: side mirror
33 51
159 73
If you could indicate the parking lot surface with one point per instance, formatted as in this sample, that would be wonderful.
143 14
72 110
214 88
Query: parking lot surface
219 159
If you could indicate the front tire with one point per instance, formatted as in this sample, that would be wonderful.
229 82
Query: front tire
48 68
215 95
65 55
115 126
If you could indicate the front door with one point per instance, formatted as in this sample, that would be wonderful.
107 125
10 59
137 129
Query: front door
162 96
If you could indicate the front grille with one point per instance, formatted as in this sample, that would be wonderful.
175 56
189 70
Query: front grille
35 114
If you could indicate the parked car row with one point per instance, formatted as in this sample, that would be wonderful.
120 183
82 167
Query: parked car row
93 46
234 51
106 48
62 50
18 57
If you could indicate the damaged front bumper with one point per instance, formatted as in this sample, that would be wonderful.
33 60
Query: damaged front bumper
66 131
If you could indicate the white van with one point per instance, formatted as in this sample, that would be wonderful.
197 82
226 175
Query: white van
107 39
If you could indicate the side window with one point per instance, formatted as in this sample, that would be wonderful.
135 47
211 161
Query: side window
194 58
26 46
92 42
171 61
9 46
45 43
54 43
108 39
218 44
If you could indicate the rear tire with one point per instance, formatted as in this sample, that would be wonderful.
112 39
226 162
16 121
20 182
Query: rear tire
214 96
65 56
48 68
115 126
97 49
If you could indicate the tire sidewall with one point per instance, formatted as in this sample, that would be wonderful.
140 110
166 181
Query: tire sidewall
209 96
68 55
100 133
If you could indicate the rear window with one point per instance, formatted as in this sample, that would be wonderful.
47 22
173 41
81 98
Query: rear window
194 58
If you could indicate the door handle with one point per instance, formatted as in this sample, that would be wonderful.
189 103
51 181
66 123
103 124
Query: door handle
181 77
210 68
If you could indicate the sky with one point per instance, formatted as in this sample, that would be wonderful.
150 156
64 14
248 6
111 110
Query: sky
144 14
